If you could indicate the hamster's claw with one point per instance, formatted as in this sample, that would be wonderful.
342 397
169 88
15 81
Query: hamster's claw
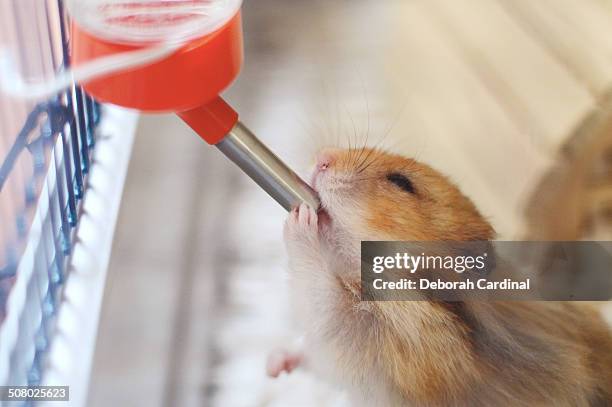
302 235
307 216
282 361
302 220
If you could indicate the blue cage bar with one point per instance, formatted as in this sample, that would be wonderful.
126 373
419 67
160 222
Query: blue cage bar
45 153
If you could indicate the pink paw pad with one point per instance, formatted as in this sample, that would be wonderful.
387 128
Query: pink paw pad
282 361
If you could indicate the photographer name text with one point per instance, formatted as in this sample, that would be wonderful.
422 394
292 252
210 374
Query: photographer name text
467 284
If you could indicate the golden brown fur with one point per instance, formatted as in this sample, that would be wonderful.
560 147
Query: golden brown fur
438 353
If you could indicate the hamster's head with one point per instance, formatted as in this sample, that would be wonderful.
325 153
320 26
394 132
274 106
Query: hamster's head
373 195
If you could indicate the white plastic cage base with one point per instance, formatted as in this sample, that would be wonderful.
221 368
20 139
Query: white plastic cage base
71 354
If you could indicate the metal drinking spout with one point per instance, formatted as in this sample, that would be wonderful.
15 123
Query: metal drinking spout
266 169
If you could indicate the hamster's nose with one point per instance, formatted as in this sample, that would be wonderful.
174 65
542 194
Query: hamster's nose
326 158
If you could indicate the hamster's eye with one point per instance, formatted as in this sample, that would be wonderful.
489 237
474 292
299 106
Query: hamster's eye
401 181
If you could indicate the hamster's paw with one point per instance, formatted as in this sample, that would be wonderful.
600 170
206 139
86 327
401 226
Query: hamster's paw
282 361
302 225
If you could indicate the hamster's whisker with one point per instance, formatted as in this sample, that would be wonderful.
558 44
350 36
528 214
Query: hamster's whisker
377 147
373 159
351 149
363 165
352 154
365 142
363 148
367 166
348 139
369 178
402 168
358 154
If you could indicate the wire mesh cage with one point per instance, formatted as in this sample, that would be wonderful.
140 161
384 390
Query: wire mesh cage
45 152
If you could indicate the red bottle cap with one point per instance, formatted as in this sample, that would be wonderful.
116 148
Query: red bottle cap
187 82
